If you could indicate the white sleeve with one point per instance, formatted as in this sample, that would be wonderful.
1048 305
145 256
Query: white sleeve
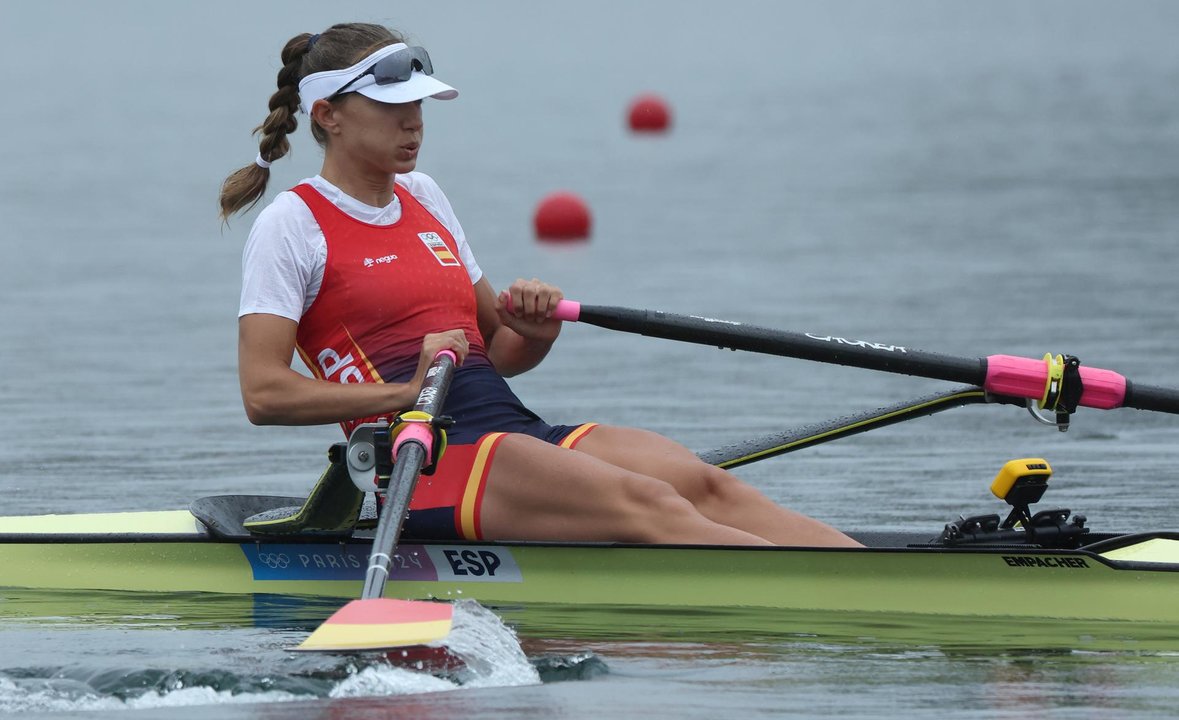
433 199
283 261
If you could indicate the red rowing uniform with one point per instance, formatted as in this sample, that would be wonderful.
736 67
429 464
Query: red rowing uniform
384 288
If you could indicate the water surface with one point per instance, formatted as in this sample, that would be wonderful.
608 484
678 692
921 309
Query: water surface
962 177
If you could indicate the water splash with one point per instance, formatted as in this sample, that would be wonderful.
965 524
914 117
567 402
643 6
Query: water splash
490 650
484 653
384 679
218 668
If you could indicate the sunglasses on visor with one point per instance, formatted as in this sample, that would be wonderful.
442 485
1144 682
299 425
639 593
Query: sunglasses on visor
393 68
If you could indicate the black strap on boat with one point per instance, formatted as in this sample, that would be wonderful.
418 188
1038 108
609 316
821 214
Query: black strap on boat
1072 387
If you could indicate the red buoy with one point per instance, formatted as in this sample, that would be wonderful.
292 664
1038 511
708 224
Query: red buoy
562 217
649 114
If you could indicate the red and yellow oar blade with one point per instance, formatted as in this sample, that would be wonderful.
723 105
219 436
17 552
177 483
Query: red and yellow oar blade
381 624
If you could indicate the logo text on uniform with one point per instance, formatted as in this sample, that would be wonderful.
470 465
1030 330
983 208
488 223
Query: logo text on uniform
331 363
383 260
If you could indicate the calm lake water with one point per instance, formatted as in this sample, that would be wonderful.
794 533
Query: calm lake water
962 177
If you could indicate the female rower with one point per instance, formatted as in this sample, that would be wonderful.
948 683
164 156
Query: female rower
366 272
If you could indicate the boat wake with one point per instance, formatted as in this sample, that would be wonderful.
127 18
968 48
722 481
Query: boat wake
208 667
41 695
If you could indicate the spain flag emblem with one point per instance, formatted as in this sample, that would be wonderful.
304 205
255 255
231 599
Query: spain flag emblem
435 244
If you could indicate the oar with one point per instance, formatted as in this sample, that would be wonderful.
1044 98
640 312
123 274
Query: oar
374 622
786 441
999 374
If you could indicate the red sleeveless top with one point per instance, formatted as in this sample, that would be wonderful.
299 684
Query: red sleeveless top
384 288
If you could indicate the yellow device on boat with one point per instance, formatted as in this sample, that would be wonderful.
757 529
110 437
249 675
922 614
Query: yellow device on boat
1022 482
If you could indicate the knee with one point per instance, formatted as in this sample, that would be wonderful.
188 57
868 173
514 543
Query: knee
714 486
648 507
642 493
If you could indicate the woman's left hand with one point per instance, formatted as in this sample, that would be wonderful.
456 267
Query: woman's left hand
532 302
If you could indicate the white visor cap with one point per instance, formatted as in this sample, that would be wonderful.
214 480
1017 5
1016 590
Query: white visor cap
320 85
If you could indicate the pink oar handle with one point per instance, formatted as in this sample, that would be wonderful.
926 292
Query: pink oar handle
1027 378
566 310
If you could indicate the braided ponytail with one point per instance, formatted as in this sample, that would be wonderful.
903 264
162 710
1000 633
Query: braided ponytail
337 47
245 187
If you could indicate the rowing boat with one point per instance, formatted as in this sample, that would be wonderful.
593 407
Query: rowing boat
1050 565
973 567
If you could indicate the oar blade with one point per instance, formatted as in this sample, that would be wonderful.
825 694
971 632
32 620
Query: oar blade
381 624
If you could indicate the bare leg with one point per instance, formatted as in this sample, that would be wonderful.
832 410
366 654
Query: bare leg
538 491
718 495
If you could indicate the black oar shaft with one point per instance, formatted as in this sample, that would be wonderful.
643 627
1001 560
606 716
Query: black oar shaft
806 346
997 374
401 486
1149 397
412 455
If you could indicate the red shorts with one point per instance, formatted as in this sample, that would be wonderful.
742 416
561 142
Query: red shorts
446 505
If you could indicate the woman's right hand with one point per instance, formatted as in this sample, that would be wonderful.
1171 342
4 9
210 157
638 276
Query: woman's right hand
434 343
405 395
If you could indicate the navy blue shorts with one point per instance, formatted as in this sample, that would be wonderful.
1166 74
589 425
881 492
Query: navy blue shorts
447 505
481 402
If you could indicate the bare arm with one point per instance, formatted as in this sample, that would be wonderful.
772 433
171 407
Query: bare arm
275 394
517 341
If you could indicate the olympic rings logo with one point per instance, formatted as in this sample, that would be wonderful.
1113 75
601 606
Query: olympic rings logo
274 561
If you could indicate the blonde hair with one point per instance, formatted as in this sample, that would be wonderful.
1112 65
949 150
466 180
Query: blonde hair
337 47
